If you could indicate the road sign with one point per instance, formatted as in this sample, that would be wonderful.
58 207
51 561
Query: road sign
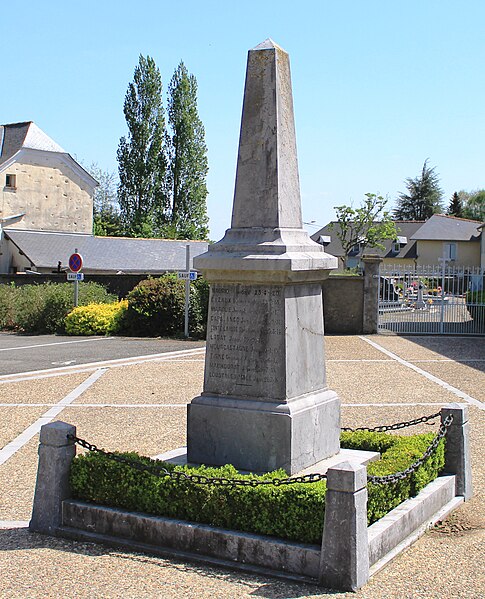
191 276
75 262
75 276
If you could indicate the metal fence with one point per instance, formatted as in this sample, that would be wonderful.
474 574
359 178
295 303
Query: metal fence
442 299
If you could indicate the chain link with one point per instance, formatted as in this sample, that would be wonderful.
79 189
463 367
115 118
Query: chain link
393 427
200 479
393 478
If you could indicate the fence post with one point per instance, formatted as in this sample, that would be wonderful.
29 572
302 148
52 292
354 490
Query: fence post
457 453
56 452
370 312
344 562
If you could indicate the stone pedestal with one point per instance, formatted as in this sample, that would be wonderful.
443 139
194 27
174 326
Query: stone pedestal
265 403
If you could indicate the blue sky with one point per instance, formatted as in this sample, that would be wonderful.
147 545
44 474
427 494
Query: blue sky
378 85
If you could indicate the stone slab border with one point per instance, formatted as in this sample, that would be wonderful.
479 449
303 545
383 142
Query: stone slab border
350 552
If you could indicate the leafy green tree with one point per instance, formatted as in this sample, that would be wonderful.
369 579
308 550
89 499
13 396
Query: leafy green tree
455 208
365 227
107 218
473 204
424 197
141 156
187 159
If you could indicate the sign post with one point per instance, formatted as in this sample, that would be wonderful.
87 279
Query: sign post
187 276
75 264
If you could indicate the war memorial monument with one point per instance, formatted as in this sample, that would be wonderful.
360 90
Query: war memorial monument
265 403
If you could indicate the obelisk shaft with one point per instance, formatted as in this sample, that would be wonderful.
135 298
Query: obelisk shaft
267 192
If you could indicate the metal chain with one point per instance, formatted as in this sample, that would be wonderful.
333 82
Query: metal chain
392 478
158 470
393 427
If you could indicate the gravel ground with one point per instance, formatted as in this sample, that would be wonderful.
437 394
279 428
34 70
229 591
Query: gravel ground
446 562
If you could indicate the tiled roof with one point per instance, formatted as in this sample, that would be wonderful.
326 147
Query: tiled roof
104 254
440 227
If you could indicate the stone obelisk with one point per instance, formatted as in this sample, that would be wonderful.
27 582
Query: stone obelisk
265 402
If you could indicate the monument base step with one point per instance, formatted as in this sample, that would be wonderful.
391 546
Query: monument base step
178 457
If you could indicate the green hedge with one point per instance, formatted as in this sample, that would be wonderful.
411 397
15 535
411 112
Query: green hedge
42 308
156 308
95 319
293 512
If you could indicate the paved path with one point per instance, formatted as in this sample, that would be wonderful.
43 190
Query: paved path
140 404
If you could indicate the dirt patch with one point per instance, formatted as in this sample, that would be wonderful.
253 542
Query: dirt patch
458 524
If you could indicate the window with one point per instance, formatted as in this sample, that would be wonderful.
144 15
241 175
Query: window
450 251
396 247
11 181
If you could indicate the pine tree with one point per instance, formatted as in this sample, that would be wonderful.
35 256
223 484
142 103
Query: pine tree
424 197
141 156
187 155
455 208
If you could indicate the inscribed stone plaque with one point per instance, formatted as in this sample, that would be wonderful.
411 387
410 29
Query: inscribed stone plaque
245 349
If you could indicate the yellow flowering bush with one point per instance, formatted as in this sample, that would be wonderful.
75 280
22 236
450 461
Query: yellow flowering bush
95 319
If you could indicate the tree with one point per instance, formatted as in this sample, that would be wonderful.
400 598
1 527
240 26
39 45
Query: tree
107 218
187 157
364 227
424 197
455 208
141 156
473 204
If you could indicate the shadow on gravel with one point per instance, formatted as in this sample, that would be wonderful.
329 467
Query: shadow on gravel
455 348
19 539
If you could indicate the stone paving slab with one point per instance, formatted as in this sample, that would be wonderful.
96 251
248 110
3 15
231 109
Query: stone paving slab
41 390
14 421
171 382
383 383
148 431
351 348
469 377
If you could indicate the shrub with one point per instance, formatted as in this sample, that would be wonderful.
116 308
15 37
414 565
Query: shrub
7 306
43 308
475 301
300 507
95 319
156 307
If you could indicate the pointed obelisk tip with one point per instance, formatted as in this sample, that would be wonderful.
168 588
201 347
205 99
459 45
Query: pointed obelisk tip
268 44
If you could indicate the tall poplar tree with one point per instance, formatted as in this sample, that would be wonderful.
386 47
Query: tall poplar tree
423 198
187 161
141 156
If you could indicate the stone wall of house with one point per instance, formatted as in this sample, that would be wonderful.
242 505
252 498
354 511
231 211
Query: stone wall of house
467 252
53 197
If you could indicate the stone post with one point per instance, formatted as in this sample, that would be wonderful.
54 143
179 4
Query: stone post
371 293
457 455
344 562
56 452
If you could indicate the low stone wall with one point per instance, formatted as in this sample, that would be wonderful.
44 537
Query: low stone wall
343 296
350 551
343 305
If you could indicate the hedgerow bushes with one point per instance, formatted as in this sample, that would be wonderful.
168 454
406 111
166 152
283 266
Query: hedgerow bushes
300 507
43 308
96 319
156 307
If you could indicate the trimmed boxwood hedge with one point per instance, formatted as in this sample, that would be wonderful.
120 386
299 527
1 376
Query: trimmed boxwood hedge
293 512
